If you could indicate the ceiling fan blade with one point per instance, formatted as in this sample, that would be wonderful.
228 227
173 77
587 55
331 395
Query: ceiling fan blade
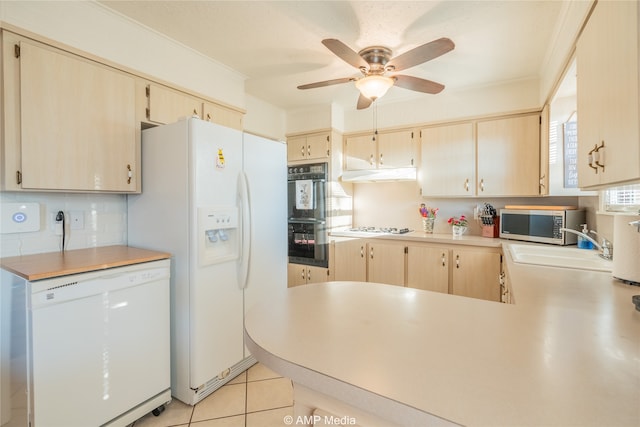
327 83
363 102
421 54
418 84
345 53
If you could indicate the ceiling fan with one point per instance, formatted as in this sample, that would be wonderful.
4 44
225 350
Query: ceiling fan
375 62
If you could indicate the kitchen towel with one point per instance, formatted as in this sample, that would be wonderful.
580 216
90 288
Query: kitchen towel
626 248
304 194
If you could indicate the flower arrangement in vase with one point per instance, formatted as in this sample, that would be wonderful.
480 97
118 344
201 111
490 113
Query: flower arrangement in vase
428 217
458 225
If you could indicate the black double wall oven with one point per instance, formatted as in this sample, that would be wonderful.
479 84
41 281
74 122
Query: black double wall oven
307 189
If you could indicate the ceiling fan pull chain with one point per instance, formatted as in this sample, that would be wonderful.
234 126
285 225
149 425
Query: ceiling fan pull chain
375 121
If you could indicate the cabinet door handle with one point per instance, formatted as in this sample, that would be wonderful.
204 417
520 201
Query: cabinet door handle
208 117
542 181
381 162
482 184
597 156
361 251
466 184
443 260
308 275
129 174
371 253
302 274
371 160
590 158
302 151
457 261
309 150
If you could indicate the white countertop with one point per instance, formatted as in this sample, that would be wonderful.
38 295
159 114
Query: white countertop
567 353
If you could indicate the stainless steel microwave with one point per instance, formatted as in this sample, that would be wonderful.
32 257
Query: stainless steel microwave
542 226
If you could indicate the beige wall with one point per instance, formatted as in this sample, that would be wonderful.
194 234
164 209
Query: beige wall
395 204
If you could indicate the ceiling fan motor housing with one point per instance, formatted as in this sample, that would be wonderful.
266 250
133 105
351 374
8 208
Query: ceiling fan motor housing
377 57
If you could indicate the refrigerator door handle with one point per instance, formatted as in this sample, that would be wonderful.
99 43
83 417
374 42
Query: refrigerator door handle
245 234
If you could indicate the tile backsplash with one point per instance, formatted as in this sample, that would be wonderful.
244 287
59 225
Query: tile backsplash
104 217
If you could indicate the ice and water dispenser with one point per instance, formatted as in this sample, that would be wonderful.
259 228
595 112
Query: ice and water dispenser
218 234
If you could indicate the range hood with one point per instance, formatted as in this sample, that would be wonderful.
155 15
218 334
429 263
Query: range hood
375 175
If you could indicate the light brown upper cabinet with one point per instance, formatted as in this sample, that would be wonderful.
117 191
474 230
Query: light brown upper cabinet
166 105
508 152
222 115
69 123
386 150
607 92
494 157
314 146
448 160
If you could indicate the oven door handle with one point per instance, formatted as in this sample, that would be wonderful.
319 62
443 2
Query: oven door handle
314 180
307 220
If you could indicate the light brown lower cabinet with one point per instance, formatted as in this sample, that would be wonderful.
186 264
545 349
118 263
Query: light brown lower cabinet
459 270
299 274
428 268
476 273
385 263
350 260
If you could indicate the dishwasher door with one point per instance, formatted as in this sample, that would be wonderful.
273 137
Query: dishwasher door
100 344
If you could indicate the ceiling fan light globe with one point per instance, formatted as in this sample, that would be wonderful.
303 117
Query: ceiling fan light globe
374 87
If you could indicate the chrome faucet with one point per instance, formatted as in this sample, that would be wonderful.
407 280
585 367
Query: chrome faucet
606 248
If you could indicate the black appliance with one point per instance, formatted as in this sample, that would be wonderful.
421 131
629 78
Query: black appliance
307 216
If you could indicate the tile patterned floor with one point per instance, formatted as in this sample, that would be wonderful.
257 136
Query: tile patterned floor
256 398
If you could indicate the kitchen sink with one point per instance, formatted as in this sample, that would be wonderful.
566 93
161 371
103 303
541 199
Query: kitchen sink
556 256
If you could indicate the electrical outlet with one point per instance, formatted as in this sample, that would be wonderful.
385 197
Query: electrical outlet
476 212
57 223
76 218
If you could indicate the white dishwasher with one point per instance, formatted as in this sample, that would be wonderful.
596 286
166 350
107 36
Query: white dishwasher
97 345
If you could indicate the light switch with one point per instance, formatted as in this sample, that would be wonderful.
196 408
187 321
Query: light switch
19 217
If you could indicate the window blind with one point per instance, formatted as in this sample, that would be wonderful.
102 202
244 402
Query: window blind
622 199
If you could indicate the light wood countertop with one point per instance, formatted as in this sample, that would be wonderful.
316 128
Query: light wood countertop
567 353
54 264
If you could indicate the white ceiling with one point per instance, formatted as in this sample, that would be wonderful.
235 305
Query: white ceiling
277 44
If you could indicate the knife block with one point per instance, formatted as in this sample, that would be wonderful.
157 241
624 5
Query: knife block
491 230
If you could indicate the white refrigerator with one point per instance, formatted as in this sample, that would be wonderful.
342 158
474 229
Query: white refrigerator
215 198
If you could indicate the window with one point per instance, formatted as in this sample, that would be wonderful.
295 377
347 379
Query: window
622 199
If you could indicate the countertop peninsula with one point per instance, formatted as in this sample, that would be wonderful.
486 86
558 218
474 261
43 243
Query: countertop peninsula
566 353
